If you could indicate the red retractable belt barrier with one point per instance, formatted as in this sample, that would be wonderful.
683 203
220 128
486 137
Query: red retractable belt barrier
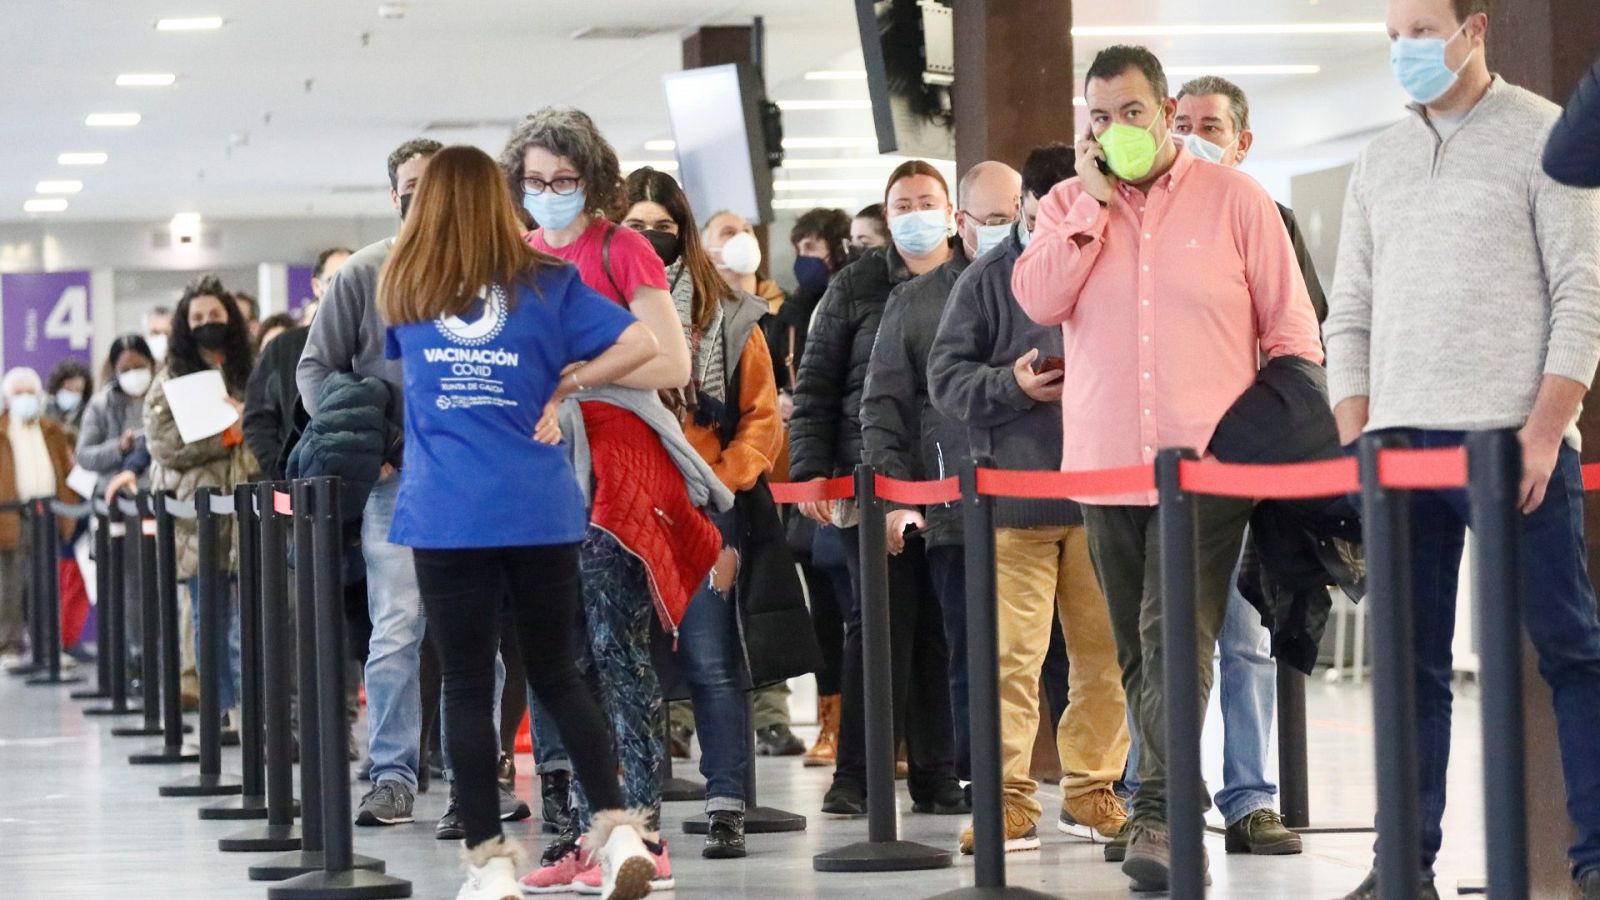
918 493
841 488
1291 481
1423 469
1060 485
282 503
1591 477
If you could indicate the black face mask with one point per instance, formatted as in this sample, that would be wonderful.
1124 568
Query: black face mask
211 336
405 205
667 246
854 252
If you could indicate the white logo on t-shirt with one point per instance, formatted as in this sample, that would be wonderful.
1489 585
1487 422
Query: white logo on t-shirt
487 327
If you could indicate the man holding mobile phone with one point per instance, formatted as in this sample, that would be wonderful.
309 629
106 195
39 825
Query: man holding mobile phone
1169 278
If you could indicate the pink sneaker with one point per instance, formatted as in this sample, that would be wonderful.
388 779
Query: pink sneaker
588 881
563 875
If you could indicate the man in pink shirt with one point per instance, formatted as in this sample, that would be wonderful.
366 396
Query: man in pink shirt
1169 277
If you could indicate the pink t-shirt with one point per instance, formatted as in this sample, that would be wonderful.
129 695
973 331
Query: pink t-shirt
633 262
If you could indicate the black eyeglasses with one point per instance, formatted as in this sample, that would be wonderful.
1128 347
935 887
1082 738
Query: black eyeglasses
561 186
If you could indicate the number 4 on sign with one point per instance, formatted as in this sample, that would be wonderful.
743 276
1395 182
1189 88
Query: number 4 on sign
69 319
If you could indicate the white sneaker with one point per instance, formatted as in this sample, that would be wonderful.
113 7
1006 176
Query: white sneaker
11 660
626 866
496 879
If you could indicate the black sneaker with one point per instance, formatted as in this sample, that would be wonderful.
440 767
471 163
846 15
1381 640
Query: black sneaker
1368 889
388 803
845 798
778 740
724 835
947 800
555 794
1262 833
450 827
512 809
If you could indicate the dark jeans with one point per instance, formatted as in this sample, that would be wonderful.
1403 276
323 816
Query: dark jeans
463 592
828 584
948 568
920 675
1560 618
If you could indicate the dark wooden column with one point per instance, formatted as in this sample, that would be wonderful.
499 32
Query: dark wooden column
1546 46
1013 80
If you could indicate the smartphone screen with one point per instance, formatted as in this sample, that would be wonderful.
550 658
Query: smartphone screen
1051 364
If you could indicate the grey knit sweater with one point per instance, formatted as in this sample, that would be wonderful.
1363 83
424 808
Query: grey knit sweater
1465 274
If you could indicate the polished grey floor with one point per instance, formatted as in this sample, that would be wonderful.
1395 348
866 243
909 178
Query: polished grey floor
77 821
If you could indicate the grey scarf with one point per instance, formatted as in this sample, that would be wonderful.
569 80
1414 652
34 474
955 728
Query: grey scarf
709 367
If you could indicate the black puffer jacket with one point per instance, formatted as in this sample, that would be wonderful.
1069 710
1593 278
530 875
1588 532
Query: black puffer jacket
825 431
350 436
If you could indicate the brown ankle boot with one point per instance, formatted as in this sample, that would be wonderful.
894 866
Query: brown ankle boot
825 751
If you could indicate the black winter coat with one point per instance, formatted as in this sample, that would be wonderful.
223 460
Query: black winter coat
1297 548
273 414
350 436
825 431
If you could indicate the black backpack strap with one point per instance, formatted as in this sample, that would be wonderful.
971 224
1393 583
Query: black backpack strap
605 263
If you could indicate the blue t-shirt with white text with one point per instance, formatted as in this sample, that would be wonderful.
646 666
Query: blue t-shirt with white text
475 387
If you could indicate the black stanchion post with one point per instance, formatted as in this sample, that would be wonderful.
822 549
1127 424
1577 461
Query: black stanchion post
50 606
102 629
675 789
1495 466
211 655
883 851
983 688
1386 534
758 819
252 803
1294 776
141 529
34 595
275 635
339 879
108 546
166 578
1176 541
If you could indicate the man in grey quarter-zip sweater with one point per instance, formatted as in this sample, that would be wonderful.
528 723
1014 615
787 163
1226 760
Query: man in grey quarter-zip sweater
1467 298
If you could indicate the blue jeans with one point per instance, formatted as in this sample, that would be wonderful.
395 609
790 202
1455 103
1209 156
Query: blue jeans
1248 686
394 692
948 568
708 658
1559 615
228 682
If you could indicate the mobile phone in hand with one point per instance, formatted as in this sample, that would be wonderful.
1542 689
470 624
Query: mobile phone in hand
1050 364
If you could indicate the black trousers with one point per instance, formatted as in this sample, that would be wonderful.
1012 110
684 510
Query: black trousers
464 592
920 667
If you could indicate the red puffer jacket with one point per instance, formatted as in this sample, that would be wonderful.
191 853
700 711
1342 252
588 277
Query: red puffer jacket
640 498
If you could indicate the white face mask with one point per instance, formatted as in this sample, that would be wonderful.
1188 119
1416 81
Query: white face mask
742 254
67 401
134 382
158 346
25 407
1206 150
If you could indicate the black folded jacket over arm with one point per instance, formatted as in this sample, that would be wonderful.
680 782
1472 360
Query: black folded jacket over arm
1572 155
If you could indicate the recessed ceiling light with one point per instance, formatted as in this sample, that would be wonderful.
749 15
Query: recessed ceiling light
827 184
81 159
834 75
811 202
58 187
859 162
1134 31
112 120
45 204
202 23
661 146
151 79
828 143
660 165
1243 70
803 105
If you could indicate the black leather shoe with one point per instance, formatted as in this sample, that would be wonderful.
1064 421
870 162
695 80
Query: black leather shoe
554 794
947 800
450 827
724 835
845 798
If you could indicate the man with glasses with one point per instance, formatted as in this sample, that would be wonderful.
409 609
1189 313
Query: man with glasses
328 263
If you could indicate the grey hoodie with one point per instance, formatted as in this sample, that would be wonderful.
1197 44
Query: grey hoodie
705 489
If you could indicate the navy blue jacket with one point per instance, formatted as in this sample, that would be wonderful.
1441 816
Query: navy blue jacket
1572 155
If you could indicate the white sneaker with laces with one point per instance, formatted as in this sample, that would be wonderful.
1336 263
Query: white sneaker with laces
626 866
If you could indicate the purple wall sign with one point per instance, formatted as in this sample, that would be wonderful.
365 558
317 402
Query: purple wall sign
299 288
46 319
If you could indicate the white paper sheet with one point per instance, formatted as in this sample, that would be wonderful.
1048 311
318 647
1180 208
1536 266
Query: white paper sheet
82 481
199 404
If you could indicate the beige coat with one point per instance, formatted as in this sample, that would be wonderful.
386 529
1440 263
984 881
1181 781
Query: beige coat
184 469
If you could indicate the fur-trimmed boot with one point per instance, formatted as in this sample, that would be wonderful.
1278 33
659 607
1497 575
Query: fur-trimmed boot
491 871
618 837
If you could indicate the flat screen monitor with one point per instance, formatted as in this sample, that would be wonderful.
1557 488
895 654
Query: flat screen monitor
721 149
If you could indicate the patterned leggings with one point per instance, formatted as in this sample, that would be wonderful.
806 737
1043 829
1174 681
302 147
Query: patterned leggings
617 609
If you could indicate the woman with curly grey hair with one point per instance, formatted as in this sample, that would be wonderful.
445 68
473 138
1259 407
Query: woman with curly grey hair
649 546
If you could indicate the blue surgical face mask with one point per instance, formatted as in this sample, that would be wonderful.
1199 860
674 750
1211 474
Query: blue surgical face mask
1024 235
554 211
1206 150
67 401
1420 68
918 233
990 236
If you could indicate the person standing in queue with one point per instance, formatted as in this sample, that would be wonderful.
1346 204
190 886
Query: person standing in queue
648 546
825 442
463 293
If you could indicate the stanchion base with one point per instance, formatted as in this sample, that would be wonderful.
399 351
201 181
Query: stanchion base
242 808
676 790
262 839
299 862
757 820
886 856
46 679
356 884
113 711
96 694
1473 886
993 893
138 731
23 671
165 756
228 738
204 786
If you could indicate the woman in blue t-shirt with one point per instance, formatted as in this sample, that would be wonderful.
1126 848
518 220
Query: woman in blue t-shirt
492 335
